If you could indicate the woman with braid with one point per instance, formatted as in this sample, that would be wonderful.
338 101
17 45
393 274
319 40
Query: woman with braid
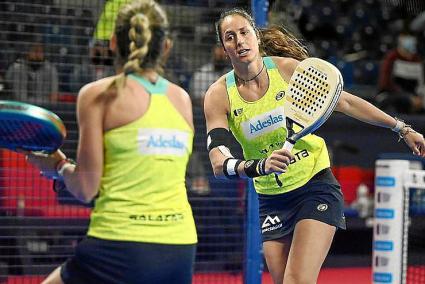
300 213
136 135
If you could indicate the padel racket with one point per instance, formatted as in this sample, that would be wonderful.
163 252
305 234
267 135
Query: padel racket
28 127
313 93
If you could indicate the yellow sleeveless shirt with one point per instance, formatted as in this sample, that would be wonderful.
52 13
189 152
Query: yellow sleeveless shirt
260 128
142 195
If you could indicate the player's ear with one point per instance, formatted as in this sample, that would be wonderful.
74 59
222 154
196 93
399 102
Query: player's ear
168 45
113 43
225 52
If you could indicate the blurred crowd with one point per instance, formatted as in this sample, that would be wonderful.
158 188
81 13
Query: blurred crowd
377 45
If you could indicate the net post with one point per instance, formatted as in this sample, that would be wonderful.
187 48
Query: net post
259 12
389 256
253 267
395 176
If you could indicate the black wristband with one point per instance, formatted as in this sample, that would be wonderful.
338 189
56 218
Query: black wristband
255 168
58 185
230 168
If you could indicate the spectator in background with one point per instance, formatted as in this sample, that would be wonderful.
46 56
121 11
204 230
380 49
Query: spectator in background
286 14
201 80
106 23
4 58
177 69
401 78
99 65
32 78
208 74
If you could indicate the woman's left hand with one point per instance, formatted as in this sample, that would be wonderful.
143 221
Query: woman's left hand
415 141
46 162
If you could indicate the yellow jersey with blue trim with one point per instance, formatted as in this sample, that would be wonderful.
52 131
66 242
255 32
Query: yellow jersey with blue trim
260 128
142 194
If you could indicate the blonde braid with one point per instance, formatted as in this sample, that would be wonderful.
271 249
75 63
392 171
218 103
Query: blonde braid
140 36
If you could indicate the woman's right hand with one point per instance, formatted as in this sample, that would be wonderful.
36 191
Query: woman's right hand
46 162
278 161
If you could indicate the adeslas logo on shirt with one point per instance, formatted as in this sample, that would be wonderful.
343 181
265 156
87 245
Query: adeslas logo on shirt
264 123
163 142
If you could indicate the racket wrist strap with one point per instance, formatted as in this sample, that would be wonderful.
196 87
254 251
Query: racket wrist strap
62 165
255 168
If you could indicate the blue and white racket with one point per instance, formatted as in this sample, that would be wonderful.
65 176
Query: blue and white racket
30 128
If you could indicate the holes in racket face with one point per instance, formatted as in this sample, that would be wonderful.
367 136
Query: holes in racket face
309 90
31 135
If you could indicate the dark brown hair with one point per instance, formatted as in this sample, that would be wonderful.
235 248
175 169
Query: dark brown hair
275 40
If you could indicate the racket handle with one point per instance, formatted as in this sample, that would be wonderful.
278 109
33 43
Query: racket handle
288 145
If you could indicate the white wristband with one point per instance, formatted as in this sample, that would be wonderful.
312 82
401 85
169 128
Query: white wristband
63 168
398 126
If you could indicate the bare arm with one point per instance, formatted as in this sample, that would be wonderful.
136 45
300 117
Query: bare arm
286 66
216 108
81 180
364 111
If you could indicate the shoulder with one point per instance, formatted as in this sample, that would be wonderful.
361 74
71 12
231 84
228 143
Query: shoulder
93 93
179 93
216 95
17 65
217 89
97 87
49 65
286 65
181 101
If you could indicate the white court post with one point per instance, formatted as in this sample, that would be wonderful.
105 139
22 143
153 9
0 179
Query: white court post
390 233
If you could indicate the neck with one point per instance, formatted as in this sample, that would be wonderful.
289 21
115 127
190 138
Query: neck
244 81
148 74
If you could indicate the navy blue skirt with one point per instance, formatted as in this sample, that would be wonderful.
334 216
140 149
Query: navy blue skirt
118 262
320 199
